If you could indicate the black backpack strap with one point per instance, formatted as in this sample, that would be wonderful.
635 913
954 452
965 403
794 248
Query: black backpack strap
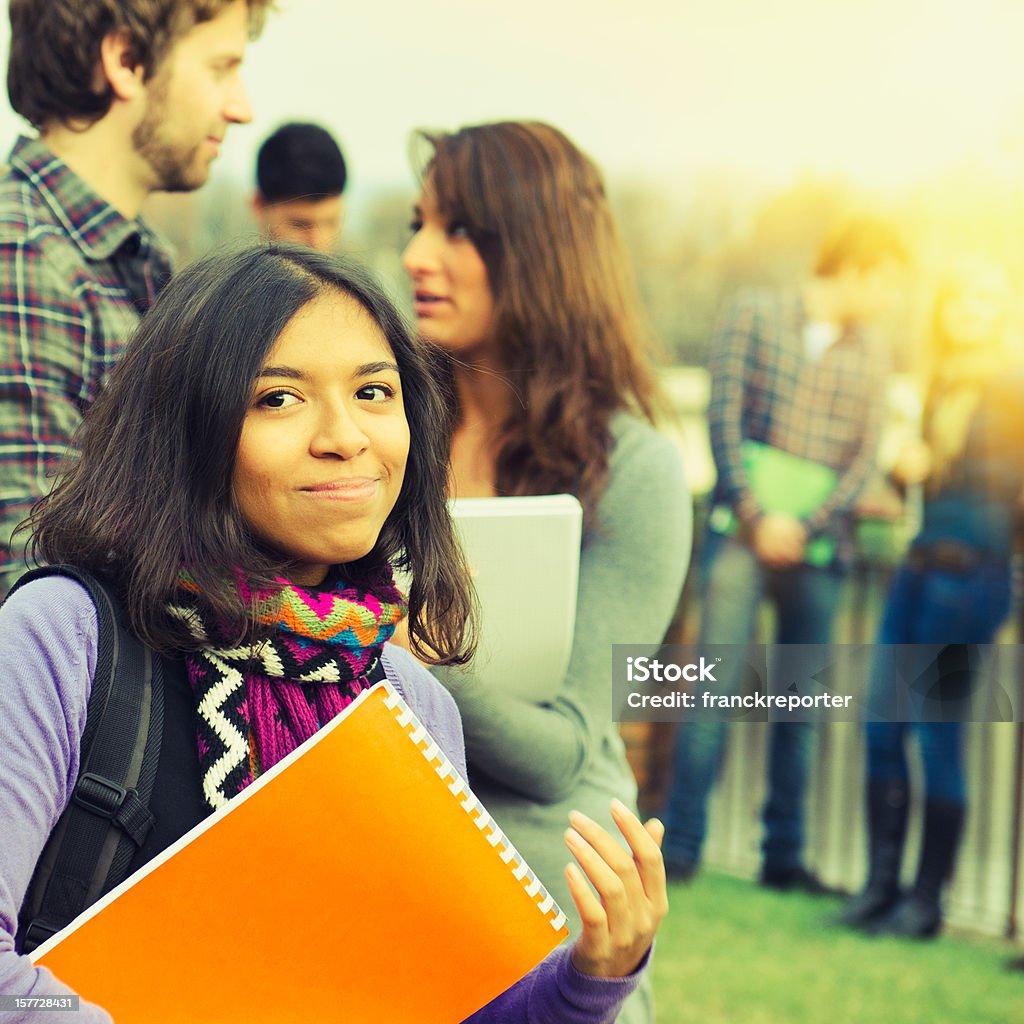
108 817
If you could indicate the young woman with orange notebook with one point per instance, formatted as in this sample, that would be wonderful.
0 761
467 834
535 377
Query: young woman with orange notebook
272 442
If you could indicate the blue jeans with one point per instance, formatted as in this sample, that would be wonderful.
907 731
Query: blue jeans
734 582
931 606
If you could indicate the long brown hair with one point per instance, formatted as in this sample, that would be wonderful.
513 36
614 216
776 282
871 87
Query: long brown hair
566 312
150 492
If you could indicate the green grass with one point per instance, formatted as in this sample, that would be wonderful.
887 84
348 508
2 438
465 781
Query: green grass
730 952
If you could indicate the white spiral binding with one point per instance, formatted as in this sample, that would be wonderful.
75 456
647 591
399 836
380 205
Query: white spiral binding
476 810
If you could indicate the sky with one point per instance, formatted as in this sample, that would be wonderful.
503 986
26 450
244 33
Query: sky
884 92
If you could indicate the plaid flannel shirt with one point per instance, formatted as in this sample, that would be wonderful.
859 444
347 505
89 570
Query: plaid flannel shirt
75 276
765 388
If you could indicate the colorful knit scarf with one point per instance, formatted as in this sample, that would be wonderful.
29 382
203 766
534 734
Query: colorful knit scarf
256 702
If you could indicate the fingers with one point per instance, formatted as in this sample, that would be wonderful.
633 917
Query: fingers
592 914
639 835
645 842
619 878
608 869
655 829
620 920
609 849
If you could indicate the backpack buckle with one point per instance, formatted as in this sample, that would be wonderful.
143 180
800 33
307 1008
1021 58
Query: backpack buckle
115 803
37 933
99 795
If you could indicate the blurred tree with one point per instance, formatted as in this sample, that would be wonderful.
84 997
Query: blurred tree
692 244
379 237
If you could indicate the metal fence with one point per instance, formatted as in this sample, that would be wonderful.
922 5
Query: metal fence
987 892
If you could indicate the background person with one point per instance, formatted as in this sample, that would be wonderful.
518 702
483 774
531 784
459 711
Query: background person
793 371
300 178
520 276
953 588
307 452
129 98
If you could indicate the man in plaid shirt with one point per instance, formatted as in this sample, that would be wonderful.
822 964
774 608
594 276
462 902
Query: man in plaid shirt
794 371
123 107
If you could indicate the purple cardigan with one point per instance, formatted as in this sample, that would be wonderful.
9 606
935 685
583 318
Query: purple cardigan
48 643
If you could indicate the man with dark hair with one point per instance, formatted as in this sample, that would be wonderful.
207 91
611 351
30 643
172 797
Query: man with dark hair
300 178
129 97
797 401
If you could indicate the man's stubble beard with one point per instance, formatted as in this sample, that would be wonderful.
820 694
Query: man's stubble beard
169 164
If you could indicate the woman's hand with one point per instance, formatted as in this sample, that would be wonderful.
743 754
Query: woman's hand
779 540
620 921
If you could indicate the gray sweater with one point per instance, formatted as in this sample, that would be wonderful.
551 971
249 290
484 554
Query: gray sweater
531 764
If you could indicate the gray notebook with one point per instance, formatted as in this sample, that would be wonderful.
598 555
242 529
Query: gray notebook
524 554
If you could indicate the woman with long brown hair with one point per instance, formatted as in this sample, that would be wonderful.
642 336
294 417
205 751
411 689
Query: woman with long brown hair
520 275
953 591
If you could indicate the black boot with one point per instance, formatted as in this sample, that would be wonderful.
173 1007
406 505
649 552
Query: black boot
887 828
919 914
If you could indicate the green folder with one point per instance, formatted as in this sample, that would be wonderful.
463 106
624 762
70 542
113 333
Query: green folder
782 482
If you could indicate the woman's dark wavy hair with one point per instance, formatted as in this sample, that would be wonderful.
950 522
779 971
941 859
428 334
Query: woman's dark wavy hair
151 490
566 313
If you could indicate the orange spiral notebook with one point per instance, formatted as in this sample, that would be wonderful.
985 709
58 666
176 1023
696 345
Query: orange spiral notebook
359 880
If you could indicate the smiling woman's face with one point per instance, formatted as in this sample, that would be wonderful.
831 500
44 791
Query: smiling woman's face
322 455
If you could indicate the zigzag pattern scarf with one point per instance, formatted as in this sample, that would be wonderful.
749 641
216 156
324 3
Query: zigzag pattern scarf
255 703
